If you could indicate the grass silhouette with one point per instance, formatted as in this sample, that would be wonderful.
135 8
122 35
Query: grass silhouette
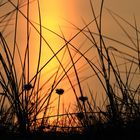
22 99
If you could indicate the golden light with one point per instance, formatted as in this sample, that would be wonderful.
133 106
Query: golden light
53 16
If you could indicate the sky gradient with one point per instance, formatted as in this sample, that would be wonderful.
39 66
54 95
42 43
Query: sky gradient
56 15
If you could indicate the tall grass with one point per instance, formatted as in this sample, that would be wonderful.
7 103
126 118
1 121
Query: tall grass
22 96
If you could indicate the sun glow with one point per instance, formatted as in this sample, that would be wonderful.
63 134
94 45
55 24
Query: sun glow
53 15
45 20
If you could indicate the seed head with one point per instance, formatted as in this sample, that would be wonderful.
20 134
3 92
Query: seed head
83 98
28 87
60 91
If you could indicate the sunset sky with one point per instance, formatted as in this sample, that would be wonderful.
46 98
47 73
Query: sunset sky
74 10
56 15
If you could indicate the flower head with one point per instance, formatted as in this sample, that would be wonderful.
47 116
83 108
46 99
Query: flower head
60 91
28 86
83 98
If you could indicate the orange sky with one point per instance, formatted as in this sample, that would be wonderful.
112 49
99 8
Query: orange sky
74 10
56 12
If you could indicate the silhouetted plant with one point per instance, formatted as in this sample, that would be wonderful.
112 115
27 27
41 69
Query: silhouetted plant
28 87
59 91
83 98
22 99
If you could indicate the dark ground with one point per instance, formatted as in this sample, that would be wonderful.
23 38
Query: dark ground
132 132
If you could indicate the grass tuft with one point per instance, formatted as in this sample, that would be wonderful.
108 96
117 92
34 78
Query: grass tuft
30 109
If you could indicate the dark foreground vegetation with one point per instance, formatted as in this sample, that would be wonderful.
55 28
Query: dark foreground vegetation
117 70
98 132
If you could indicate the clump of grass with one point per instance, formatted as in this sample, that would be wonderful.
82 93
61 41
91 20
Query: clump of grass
21 100
120 89
122 94
19 92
